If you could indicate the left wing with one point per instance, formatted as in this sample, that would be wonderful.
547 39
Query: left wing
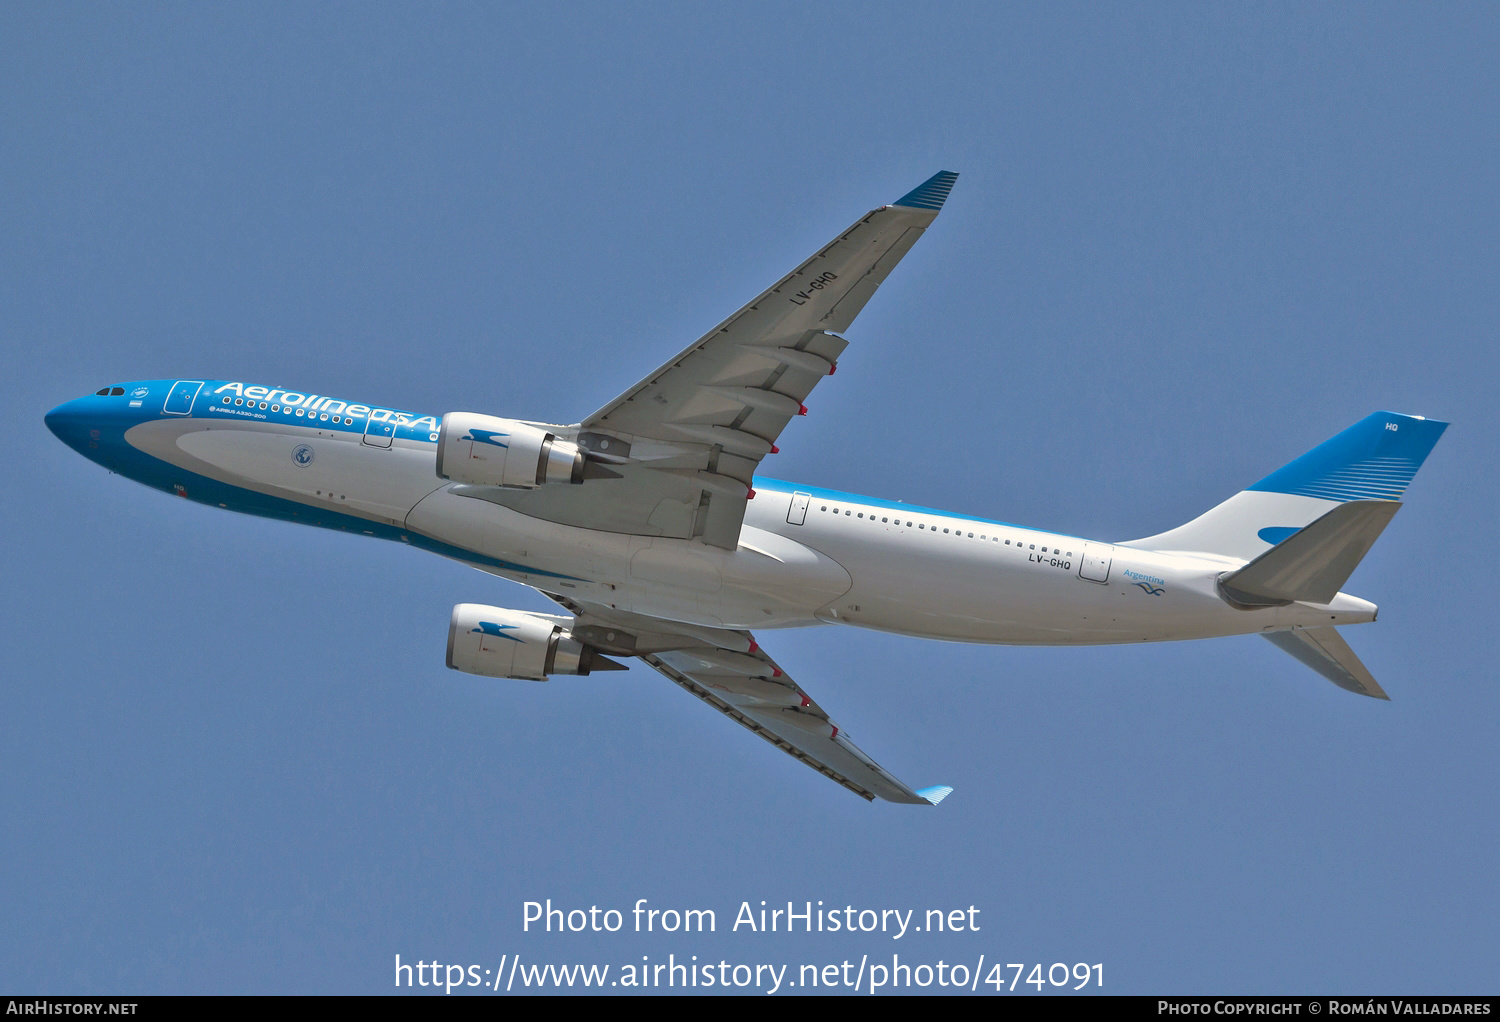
729 671
682 445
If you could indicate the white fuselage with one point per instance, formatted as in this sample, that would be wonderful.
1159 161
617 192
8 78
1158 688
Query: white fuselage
806 555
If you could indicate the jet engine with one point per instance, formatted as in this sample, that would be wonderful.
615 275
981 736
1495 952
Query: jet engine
489 451
499 643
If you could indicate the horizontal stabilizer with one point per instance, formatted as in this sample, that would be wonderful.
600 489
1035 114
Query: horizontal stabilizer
1325 651
1312 564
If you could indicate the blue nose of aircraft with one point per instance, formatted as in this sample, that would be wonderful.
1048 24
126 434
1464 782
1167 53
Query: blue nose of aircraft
95 425
71 422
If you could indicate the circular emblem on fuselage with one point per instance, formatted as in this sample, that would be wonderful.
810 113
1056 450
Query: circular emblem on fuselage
140 392
302 455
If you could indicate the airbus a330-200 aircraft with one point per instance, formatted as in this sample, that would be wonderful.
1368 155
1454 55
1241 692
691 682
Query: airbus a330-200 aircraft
646 523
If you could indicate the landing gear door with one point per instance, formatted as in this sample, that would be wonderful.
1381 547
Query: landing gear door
1094 567
797 513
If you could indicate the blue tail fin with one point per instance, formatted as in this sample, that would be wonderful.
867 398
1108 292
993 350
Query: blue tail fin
1374 459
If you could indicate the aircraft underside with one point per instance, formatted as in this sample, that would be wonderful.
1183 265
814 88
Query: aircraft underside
647 523
940 576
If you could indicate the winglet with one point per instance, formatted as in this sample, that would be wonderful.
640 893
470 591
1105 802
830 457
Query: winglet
930 194
937 792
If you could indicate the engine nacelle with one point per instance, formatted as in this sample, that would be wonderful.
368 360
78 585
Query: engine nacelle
499 643
488 451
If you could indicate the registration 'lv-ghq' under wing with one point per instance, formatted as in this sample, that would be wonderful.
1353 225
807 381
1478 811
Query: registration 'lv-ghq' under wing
683 444
729 671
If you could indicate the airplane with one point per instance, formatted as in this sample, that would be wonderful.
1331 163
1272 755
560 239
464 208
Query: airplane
646 523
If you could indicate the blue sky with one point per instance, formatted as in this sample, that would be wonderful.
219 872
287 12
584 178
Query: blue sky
1188 243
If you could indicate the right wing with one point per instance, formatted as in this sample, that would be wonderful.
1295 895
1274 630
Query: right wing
729 671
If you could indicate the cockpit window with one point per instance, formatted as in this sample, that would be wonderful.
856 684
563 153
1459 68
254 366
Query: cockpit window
102 392
116 391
